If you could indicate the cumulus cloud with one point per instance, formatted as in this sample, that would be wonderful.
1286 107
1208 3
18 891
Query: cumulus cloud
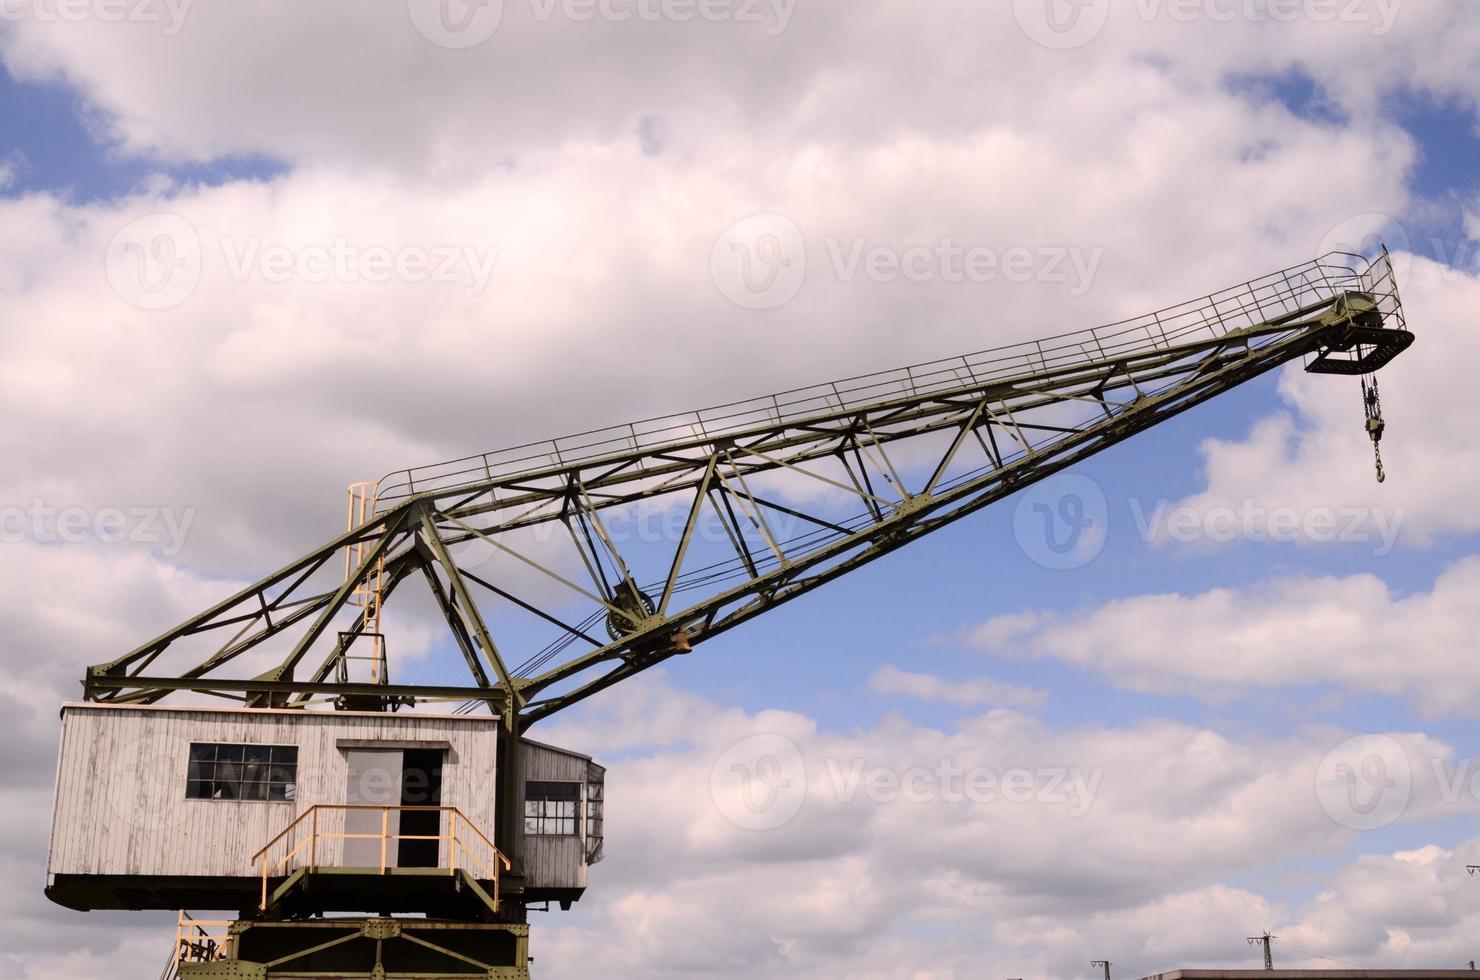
998 842
864 872
1315 460
973 693
579 176
1351 631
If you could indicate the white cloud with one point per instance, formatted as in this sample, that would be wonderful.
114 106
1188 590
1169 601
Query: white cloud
252 400
974 693
203 90
864 882
1220 644
1316 459
864 886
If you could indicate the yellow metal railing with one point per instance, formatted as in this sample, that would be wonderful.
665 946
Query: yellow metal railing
193 944
307 830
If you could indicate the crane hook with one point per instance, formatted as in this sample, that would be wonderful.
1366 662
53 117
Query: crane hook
1372 404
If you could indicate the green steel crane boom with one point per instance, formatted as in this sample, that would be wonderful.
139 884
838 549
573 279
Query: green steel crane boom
914 449
910 450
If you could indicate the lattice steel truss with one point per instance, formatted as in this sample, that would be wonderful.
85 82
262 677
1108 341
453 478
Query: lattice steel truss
913 450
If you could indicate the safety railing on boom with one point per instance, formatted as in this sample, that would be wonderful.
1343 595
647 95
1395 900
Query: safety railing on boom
1258 301
315 840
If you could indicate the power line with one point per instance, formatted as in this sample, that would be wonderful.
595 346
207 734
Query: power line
1321 955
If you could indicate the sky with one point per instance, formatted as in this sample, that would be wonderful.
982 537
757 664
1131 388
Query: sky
252 254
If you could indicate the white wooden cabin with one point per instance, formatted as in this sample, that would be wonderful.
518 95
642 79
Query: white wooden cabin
564 806
166 807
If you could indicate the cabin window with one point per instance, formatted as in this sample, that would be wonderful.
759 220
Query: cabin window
595 821
242 772
552 809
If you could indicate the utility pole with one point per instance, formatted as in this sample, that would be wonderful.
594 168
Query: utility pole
1265 940
1105 964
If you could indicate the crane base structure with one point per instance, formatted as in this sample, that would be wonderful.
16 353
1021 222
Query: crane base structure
378 948
533 548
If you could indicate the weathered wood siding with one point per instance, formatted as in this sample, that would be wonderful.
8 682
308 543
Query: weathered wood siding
554 862
120 799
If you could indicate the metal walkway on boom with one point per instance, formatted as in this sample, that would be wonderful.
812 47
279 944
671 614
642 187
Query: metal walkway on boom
913 449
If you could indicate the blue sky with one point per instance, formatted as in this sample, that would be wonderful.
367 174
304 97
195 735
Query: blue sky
57 146
814 656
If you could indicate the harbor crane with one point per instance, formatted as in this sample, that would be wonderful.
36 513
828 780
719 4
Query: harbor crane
525 549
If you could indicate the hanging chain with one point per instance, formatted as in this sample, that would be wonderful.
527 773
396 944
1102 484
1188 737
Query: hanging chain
1372 402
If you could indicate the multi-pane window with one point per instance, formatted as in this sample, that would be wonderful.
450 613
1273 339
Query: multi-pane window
595 820
242 772
552 809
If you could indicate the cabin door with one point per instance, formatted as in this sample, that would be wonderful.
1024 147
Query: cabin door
374 779
421 786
